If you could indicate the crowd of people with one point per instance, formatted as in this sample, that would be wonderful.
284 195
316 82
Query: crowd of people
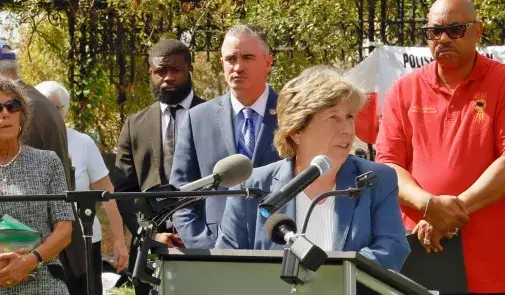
439 159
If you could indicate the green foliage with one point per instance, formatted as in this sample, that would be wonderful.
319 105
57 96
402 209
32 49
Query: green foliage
107 33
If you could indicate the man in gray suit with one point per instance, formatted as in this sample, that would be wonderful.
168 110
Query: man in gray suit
241 121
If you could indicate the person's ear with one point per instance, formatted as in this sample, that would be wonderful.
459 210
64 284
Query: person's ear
479 29
295 138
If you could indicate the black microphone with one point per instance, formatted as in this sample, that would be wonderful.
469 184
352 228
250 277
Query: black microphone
281 229
150 207
228 172
319 166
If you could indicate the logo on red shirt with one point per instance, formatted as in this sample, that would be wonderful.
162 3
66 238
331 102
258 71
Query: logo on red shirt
423 109
479 105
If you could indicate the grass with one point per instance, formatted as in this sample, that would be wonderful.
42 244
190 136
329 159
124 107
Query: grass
122 291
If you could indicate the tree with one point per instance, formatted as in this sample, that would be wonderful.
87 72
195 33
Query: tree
98 48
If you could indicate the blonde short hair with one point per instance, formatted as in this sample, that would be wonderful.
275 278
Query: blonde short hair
315 89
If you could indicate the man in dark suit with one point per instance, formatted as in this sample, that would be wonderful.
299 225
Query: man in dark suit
47 131
241 121
146 143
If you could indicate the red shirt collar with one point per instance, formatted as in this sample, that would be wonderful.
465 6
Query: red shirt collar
430 75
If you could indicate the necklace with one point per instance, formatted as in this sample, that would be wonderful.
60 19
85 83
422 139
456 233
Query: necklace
12 160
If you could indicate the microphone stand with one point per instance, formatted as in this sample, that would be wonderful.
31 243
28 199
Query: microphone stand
86 204
291 263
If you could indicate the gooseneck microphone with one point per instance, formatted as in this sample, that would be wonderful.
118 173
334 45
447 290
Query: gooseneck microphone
319 166
281 229
363 181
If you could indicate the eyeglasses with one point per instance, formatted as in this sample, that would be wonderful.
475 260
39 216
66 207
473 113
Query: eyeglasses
454 31
11 106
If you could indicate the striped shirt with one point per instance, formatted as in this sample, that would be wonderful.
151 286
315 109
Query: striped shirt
321 222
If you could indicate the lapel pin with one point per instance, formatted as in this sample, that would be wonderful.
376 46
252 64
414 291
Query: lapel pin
272 112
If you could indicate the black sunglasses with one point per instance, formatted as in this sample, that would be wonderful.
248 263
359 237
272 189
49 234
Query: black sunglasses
11 106
454 31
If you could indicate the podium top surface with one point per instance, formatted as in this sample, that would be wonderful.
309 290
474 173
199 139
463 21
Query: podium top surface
391 278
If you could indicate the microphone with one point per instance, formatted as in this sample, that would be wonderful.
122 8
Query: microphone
228 172
281 229
319 166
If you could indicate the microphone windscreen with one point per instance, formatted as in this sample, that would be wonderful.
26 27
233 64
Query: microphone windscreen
323 163
233 170
273 225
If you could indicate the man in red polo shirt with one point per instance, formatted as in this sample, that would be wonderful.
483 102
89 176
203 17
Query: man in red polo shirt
443 131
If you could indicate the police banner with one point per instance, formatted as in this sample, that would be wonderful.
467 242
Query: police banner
382 68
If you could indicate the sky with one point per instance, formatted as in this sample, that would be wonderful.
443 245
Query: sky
8 30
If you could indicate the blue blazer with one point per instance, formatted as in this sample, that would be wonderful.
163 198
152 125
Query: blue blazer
371 224
206 136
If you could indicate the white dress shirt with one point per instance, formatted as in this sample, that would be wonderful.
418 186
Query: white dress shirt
165 116
321 222
238 117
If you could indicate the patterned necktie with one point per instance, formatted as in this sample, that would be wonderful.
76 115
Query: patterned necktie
247 141
169 142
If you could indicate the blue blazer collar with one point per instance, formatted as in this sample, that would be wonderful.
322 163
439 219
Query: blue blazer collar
266 134
225 121
282 176
344 207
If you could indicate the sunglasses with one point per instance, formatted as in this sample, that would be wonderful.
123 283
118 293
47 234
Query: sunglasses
454 31
11 106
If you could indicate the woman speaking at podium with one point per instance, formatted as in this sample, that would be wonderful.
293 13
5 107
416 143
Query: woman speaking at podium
316 113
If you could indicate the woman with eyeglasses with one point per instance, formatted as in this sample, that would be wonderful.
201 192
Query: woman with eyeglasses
24 171
90 173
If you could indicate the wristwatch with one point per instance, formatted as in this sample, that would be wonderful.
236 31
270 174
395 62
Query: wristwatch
39 258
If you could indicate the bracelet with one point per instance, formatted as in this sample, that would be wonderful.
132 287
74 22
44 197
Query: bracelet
39 257
426 208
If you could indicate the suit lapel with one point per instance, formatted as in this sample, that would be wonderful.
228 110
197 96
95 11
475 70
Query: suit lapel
225 122
153 128
344 207
268 125
195 101
283 175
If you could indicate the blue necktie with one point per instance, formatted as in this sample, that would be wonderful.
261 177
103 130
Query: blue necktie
247 141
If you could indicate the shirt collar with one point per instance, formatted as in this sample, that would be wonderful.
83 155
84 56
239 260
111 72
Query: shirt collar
430 73
185 103
258 106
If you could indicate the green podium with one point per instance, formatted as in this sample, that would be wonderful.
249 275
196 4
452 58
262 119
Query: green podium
248 272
